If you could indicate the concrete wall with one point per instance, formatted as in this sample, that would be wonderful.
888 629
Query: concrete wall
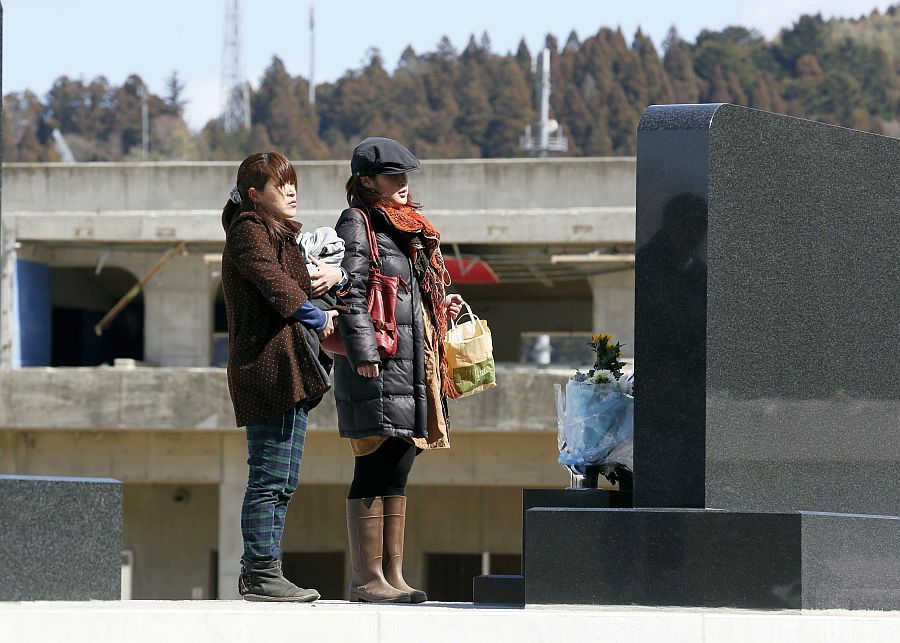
183 495
172 535
613 304
470 201
195 400
475 459
171 530
441 185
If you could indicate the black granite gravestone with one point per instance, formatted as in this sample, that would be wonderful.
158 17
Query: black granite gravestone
766 341
766 313
60 538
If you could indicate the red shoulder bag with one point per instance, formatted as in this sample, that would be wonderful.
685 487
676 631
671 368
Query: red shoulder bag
382 304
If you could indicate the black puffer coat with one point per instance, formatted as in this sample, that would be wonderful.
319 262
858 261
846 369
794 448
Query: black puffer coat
394 403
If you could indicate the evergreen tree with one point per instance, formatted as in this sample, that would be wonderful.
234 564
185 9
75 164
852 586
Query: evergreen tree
477 103
808 36
761 95
277 107
511 111
174 98
475 111
738 97
718 88
680 68
524 59
25 133
658 87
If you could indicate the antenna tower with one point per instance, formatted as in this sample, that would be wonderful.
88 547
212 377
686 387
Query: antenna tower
550 137
234 88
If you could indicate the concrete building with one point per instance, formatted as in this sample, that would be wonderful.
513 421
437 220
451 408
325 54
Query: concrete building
558 233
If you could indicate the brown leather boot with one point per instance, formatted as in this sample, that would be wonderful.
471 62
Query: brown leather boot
365 526
394 528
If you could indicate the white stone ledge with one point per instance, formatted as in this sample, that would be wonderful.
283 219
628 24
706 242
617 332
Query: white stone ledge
326 621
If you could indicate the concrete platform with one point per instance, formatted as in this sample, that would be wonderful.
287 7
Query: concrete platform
325 621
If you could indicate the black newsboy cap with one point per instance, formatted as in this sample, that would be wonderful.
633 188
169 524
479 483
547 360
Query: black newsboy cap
378 155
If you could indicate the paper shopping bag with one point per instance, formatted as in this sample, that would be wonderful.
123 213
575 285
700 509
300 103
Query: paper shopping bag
470 355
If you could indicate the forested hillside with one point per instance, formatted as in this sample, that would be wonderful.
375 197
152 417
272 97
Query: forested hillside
476 102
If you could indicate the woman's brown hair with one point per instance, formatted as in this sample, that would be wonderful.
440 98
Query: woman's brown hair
256 171
358 192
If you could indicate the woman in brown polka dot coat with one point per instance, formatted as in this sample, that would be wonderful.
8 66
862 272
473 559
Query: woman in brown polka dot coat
276 371
394 407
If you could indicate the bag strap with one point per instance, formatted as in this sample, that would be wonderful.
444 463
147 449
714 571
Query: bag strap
468 313
375 257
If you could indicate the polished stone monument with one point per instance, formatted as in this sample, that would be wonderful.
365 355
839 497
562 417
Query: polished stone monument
767 412
60 538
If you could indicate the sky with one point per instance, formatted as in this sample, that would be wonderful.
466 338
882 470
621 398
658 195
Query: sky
46 39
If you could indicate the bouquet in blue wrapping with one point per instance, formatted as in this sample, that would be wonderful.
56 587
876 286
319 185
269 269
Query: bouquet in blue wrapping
595 413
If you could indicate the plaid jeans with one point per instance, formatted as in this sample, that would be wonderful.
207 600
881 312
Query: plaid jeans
275 445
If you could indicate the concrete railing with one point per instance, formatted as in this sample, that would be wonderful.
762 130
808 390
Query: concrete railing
197 399
468 184
582 225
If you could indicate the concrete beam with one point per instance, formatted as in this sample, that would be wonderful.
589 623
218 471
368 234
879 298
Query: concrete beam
468 184
585 225
169 457
197 399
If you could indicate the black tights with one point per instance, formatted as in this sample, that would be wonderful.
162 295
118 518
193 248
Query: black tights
384 471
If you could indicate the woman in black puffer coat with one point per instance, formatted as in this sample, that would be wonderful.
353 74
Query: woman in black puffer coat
390 408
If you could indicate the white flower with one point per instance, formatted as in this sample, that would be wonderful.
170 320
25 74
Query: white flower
626 385
603 377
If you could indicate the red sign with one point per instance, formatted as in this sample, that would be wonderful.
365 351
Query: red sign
470 271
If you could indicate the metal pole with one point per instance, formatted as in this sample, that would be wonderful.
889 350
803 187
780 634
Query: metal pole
544 123
145 124
312 55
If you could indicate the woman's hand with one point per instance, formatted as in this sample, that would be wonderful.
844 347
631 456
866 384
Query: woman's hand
329 327
323 279
452 305
369 369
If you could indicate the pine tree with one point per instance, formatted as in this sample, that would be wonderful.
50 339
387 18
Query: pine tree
281 106
718 88
174 98
475 111
738 97
127 124
761 97
659 89
511 111
680 68
524 59
25 133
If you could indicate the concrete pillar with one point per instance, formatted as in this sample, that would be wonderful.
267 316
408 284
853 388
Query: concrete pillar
178 313
7 307
231 496
613 294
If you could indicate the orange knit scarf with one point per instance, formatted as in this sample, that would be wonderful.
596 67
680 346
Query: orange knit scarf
408 219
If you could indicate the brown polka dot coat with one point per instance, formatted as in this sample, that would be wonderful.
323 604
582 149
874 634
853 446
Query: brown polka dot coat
270 364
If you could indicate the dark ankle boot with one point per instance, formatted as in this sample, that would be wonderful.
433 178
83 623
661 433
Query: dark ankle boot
265 582
394 528
365 526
